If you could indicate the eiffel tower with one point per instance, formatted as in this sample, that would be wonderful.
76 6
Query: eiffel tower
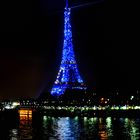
68 75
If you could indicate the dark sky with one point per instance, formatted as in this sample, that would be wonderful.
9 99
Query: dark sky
105 38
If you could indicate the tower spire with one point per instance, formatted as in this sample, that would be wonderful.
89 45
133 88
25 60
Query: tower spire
67 4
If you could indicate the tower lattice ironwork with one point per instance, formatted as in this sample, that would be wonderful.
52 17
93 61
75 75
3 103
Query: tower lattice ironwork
68 76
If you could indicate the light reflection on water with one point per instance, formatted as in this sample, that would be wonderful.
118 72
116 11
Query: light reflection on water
25 124
24 130
65 128
14 134
76 128
131 129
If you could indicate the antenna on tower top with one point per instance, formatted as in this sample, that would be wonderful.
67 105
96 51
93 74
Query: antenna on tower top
67 4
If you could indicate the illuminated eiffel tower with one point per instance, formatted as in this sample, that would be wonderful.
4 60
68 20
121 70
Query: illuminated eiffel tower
68 76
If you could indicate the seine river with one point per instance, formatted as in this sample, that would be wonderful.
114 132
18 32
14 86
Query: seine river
67 128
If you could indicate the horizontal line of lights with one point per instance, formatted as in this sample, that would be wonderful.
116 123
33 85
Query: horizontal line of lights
93 108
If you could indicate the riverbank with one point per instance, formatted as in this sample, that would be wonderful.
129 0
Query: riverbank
14 114
89 113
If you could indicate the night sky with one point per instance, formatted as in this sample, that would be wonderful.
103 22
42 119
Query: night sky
105 38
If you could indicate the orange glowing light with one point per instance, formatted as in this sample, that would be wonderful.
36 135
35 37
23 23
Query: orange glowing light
25 112
102 99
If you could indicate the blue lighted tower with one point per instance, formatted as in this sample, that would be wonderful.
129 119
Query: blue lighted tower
68 76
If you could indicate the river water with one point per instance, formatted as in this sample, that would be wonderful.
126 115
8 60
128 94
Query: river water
67 128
